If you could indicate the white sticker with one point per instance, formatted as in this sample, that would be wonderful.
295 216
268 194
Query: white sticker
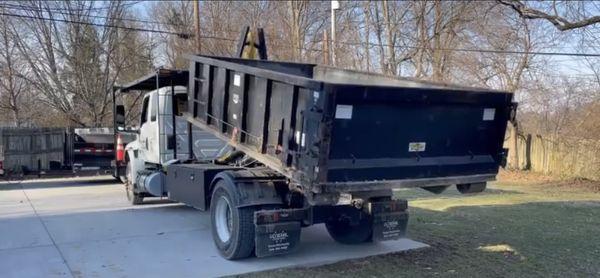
297 137
416 147
235 116
237 80
343 111
236 98
315 97
489 114
302 141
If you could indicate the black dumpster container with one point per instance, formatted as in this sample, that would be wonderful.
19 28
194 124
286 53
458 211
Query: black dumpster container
332 130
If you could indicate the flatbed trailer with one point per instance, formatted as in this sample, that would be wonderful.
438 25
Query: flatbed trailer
313 144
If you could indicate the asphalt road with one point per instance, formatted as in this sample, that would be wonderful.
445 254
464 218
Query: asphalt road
84 227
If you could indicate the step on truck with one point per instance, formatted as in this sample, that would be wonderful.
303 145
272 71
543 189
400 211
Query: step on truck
307 144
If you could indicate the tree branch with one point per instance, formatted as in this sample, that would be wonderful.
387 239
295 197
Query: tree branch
561 23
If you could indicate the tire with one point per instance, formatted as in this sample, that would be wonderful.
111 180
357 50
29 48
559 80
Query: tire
232 228
469 188
342 231
133 197
436 189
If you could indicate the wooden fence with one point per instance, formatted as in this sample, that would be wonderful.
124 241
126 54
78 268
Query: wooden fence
23 148
564 157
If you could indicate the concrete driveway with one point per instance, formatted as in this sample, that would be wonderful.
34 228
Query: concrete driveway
83 227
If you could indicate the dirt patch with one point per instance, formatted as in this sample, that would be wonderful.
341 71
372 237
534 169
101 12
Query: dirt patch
579 184
522 177
548 182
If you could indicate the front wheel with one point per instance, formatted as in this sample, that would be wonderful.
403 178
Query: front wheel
232 227
133 197
342 230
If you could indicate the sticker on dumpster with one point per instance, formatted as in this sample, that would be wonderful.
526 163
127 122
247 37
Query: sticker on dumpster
237 80
489 114
416 147
343 111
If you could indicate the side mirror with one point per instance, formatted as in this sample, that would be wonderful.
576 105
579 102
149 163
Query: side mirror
120 117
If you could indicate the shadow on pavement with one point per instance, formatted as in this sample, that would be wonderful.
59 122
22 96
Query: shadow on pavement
63 182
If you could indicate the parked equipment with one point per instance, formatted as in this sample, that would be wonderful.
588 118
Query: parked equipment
92 148
308 145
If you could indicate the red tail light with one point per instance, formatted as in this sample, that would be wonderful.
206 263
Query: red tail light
120 148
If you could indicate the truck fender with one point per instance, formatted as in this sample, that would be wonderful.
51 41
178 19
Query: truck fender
251 188
136 161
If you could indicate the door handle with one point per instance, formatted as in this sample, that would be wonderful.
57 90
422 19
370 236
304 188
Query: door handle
146 143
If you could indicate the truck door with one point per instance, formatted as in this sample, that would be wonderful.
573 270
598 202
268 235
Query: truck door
149 128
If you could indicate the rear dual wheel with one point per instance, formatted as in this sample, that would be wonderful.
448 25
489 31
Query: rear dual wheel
468 188
342 230
232 227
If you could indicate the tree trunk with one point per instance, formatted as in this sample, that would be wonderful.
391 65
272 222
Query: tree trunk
513 153
392 64
367 11
378 33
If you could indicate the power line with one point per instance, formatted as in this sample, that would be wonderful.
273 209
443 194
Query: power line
478 50
25 8
182 35
131 3
186 36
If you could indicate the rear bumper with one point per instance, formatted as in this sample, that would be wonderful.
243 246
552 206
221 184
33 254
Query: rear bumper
395 184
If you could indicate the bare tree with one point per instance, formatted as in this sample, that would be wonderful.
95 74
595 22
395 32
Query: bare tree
70 56
12 84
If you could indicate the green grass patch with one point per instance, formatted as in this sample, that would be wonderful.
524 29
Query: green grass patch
511 230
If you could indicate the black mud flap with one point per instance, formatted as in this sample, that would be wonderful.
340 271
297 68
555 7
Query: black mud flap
277 231
390 219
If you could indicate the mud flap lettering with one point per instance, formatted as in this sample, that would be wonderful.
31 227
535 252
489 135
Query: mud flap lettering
276 239
390 219
389 226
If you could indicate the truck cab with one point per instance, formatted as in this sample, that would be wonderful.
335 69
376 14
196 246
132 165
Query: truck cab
156 142
162 139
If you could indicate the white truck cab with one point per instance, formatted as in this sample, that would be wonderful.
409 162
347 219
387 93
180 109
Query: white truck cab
155 143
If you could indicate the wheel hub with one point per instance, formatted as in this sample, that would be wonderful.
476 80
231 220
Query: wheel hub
223 219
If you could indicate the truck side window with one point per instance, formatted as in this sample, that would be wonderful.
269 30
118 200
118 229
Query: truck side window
145 110
153 109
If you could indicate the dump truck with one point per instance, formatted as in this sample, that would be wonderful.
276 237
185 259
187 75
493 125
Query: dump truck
307 144
90 149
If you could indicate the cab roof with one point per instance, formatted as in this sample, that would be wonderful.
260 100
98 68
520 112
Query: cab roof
159 78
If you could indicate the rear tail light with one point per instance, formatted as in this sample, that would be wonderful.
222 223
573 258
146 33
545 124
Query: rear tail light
120 149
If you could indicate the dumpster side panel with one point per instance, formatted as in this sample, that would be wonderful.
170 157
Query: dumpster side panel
257 112
415 133
260 115
318 133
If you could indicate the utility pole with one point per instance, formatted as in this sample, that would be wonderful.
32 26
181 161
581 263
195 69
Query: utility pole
334 6
197 25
